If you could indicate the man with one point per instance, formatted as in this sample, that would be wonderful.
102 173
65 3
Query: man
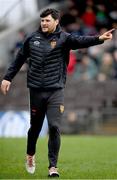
47 51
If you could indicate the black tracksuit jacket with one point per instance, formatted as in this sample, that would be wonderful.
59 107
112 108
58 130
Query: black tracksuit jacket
48 57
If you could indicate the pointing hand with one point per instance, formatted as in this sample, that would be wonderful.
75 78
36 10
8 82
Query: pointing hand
107 35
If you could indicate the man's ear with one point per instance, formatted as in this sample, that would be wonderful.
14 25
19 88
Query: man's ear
57 21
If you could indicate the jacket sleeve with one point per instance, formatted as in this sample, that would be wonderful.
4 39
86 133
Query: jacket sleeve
77 42
20 59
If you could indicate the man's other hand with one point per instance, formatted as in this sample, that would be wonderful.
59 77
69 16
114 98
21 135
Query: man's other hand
5 85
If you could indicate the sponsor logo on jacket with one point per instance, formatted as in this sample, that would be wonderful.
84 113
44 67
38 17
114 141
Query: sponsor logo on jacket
36 43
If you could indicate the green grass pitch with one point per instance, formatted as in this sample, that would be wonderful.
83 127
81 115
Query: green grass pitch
81 157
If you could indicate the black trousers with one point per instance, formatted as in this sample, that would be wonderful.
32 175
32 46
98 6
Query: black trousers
51 104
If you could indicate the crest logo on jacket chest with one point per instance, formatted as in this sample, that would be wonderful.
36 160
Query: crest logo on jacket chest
53 43
36 43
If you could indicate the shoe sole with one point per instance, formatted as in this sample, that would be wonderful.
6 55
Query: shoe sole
53 175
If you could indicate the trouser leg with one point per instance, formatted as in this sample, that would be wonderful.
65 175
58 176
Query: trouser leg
37 114
55 110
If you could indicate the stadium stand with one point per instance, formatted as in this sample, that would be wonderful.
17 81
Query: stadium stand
90 107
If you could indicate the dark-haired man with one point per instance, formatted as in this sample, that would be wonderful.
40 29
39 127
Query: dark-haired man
48 52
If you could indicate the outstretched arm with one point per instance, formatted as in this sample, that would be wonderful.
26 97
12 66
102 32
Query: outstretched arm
76 42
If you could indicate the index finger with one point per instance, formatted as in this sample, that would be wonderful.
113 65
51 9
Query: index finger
111 30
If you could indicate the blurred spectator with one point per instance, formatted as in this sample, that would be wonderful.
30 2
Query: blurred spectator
106 67
66 20
102 19
17 45
113 12
115 64
115 35
72 63
86 69
71 23
89 17
113 15
70 4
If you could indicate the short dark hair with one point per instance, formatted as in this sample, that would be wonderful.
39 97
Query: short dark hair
53 12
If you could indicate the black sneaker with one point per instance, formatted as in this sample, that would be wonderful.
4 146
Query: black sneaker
53 172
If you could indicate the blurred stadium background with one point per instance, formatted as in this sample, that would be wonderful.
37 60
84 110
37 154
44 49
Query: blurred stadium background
91 90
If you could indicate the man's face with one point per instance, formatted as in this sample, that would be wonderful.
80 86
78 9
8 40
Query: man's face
48 24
